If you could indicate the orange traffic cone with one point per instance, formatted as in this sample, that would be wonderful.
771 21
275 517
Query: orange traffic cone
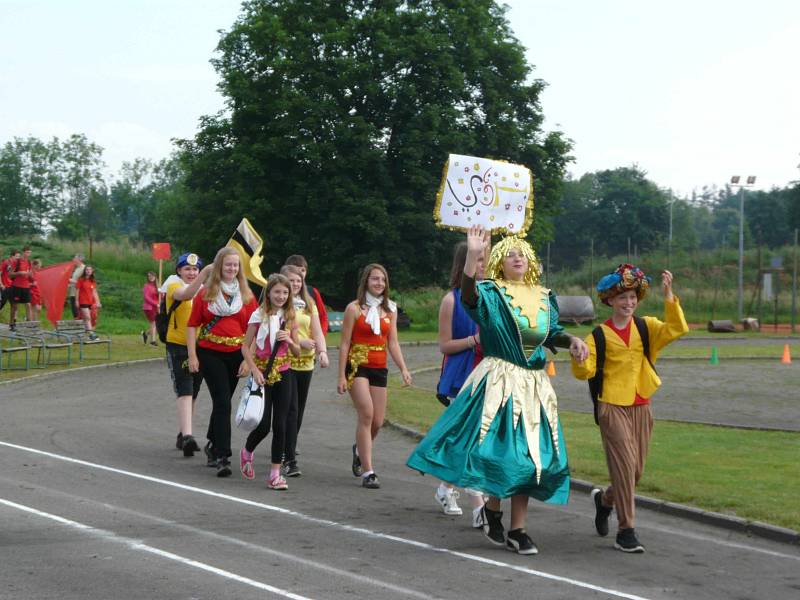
787 357
551 369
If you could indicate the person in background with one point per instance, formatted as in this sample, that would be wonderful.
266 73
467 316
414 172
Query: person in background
72 289
20 275
312 344
150 307
214 335
369 330
36 297
88 299
459 342
629 381
298 260
5 279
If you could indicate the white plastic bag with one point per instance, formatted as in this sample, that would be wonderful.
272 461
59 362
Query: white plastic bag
251 406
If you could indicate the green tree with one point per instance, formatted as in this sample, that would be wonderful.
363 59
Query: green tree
340 117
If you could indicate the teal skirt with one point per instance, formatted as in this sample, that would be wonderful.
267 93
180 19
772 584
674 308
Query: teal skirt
500 465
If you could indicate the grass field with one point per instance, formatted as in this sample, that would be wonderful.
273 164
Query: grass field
747 473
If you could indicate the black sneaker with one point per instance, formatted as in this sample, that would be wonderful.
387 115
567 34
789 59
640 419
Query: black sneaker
189 446
179 441
493 526
211 460
601 513
520 542
357 470
223 467
371 482
627 542
290 469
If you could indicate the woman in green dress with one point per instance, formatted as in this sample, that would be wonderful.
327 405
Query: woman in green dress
501 435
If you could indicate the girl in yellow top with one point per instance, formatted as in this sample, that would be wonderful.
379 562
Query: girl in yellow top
629 381
312 344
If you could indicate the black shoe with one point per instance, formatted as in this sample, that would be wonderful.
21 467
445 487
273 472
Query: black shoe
371 482
223 467
290 469
627 542
144 337
520 542
179 442
189 446
601 513
154 344
357 470
493 526
211 460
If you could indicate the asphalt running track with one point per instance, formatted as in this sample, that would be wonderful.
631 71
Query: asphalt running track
95 502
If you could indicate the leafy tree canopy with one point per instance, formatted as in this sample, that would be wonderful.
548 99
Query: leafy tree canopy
340 118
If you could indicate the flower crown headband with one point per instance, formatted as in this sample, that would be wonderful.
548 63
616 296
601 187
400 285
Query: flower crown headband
625 277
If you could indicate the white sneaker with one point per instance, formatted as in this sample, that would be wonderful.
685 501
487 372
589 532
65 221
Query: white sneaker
448 501
477 518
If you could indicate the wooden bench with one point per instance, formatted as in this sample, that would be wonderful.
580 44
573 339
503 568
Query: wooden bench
75 331
45 342
11 345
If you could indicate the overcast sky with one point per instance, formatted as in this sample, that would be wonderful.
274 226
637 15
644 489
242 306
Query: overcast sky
691 91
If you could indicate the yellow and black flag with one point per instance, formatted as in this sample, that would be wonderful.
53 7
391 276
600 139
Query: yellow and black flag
249 244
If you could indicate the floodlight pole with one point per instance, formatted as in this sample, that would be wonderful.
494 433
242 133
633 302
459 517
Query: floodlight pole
735 182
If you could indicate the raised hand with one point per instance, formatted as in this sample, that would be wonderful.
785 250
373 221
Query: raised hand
666 282
478 240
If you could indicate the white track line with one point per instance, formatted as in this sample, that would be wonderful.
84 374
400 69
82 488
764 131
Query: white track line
139 546
334 524
281 555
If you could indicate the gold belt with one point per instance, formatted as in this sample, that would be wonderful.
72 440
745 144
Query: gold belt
224 341
359 355
274 376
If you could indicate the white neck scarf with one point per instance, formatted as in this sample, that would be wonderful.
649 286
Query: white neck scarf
373 317
223 308
299 303
270 327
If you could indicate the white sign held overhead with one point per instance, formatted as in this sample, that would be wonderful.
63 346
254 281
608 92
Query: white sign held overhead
484 191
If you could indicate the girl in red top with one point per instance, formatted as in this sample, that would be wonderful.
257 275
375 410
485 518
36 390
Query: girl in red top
150 307
88 299
369 329
273 323
214 335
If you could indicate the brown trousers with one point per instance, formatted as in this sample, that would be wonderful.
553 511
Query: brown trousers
625 431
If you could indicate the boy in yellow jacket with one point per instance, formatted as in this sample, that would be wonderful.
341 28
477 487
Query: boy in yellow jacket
629 380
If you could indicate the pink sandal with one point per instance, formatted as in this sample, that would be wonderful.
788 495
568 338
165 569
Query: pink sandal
246 464
277 483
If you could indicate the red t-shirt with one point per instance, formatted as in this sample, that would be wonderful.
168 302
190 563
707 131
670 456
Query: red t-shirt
625 335
86 288
21 281
230 326
323 314
4 268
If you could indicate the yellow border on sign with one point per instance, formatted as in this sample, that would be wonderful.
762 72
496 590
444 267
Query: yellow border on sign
437 209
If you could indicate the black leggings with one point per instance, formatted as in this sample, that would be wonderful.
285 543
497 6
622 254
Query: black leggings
298 407
277 399
220 371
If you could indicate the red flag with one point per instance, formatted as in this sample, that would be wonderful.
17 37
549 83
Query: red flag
53 282
161 251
